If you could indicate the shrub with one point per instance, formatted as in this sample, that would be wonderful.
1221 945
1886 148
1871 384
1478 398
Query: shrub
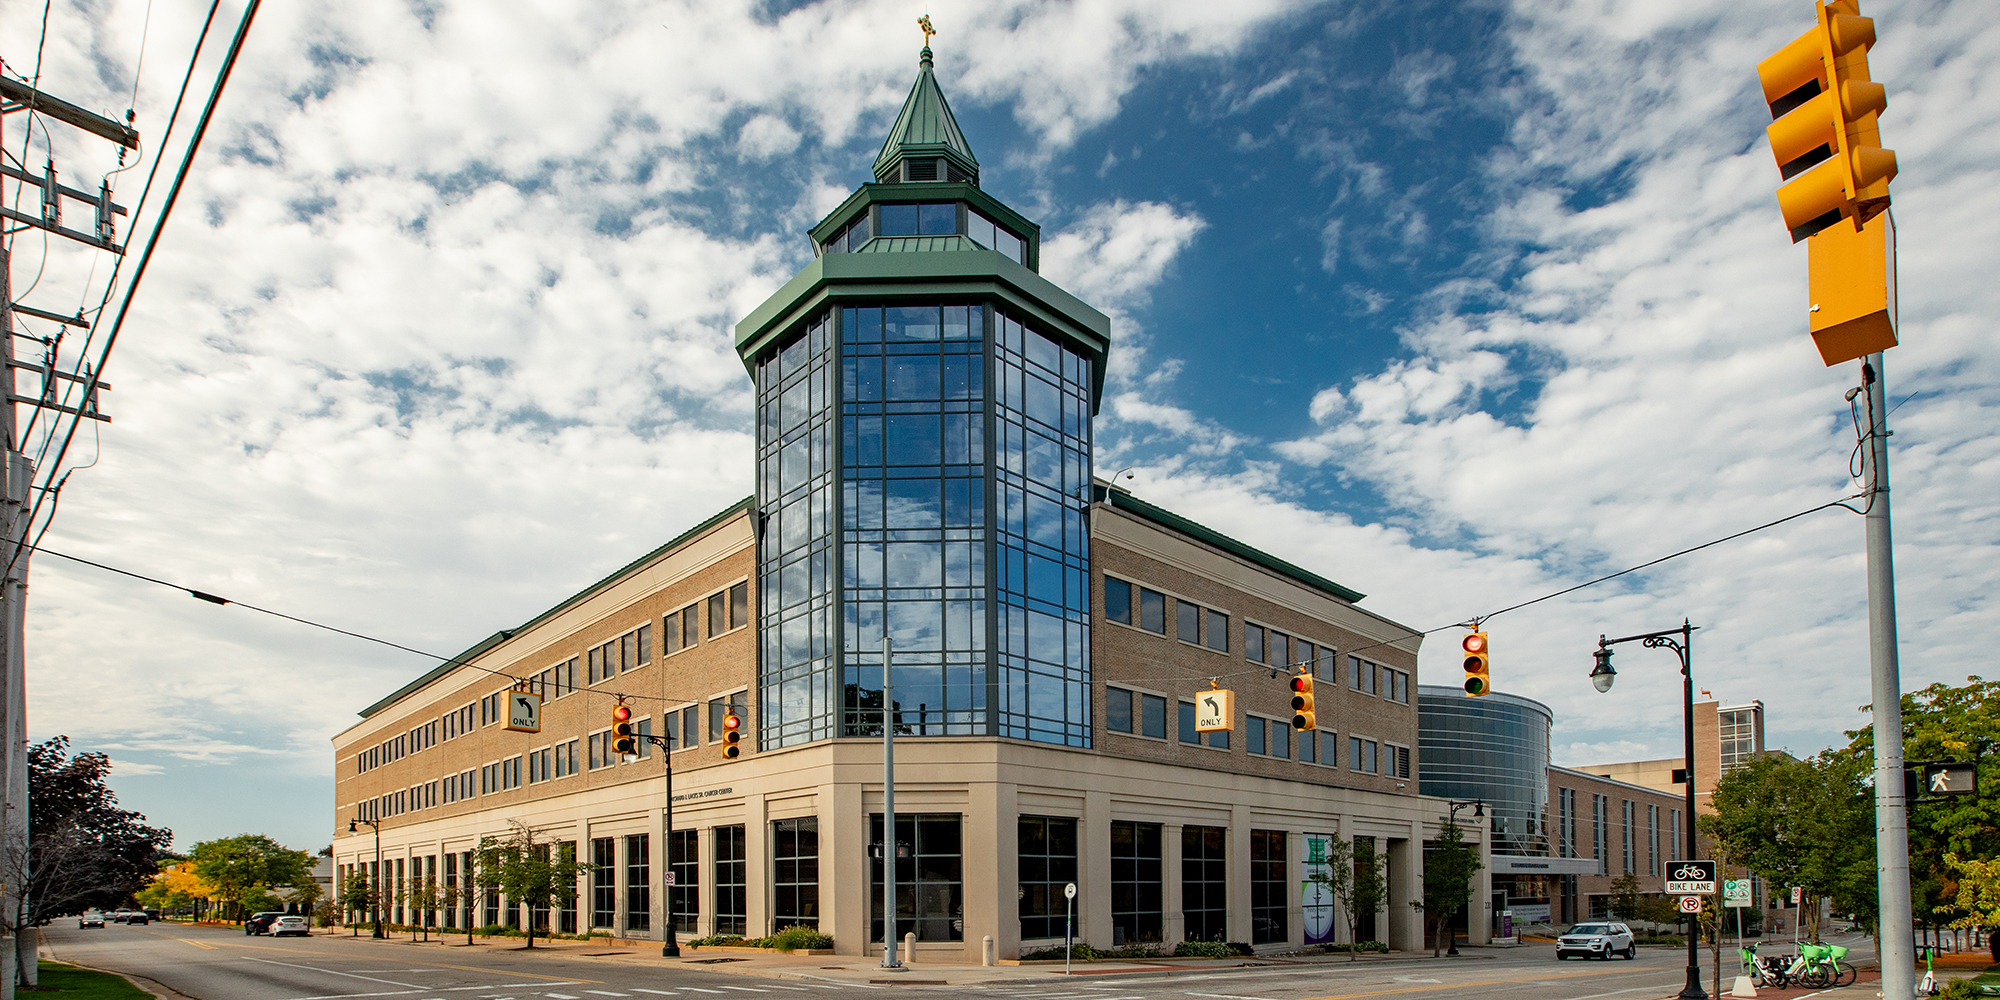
1204 949
1079 952
1959 989
718 941
797 938
1365 947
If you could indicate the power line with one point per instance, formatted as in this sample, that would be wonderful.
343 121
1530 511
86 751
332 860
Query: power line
1261 668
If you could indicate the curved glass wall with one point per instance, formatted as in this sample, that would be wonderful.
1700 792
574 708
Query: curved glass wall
1493 748
963 461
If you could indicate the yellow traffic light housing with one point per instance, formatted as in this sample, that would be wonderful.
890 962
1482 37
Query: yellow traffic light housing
1477 679
621 730
732 735
1823 134
1302 700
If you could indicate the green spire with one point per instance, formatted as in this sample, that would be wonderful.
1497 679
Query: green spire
924 133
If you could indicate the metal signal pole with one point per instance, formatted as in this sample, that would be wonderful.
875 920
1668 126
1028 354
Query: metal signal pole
1892 832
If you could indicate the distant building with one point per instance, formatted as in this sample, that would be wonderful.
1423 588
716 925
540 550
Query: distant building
925 402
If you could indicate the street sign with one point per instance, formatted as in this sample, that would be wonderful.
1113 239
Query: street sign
1690 904
1215 710
1736 892
670 878
1798 895
1069 891
1691 877
524 712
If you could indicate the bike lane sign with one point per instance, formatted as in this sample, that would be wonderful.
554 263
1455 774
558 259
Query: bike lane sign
1688 878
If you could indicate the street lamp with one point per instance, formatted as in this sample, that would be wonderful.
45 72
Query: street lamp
1478 812
353 826
1601 677
670 946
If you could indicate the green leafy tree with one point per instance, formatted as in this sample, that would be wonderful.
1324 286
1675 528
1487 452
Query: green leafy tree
246 867
1625 895
357 894
1657 910
1449 865
424 901
530 872
1807 823
83 850
1357 879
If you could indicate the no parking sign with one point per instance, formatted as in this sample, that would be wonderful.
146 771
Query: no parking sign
1690 904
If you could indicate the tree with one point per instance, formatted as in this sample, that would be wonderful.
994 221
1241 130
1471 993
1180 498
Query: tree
1807 823
1625 891
357 895
248 866
1657 910
1449 865
1370 888
424 900
83 851
529 872
175 887
1978 896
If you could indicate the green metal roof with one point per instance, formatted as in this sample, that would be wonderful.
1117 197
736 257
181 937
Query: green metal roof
917 244
740 506
925 128
1202 533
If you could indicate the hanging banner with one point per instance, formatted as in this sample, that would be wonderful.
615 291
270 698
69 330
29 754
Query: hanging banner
1315 898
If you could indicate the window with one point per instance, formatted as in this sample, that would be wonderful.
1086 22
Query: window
1631 825
1652 840
1326 666
510 773
1046 862
670 634
1674 825
1598 834
795 875
1204 883
1118 710
691 726
718 613
731 917
1253 643
1565 822
1253 734
643 744
1320 748
1361 755
491 710
1276 650
1138 900
739 605
1118 601
603 882
638 882
565 677
684 896
1218 631
1269 887
1396 761
600 750
930 893
1152 611
1187 618
566 763
1187 731
1281 739
1153 716
727 705
991 235
540 763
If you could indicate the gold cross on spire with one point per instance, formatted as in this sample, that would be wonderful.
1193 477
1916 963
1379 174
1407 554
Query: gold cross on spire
924 22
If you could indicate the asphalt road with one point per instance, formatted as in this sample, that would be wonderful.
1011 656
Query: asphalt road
221 964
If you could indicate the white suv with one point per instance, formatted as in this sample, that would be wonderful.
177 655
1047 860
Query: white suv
1597 941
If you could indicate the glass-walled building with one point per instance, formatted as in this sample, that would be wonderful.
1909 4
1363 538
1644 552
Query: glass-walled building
1494 748
924 490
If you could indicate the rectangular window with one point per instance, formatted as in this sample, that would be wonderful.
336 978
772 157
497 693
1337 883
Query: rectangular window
595 661
1631 848
1046 862
731 891
1153 716
603 882
644 743
1652 840
600 750
1138 900
1674 845
1566 822
638 882
684 898
1361 755
1253 642
690 625
670 634
539 765
1189 734
1152 611
930 892
1218 631
795 872
1253 734
718 614
1204 883
1269 887
642 646
717 708
1599 820
1118 601
1277 650
1398 762
739 605
565 759
1281 739
1219 739
1187 621
1118 710
691 726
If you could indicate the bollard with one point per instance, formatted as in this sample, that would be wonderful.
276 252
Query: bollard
986 950
910 948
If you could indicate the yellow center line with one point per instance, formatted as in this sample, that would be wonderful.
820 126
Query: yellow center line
197 944
1480 982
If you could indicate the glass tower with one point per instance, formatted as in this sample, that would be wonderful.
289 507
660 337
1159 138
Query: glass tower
1495 749
924 403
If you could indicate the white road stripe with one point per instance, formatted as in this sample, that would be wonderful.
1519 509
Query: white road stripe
642 989
746 989
607 993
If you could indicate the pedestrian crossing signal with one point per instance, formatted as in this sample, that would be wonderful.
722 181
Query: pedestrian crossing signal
1477 679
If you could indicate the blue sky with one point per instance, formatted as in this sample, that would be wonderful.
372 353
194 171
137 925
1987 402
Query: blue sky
1458 304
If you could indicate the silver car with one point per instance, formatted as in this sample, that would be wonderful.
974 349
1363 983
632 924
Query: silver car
1597 940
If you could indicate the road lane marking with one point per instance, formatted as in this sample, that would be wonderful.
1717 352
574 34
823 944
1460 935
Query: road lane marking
1227 996
775 986
1526 981
415 987
698 989
642 989
746 989
437 989
1613 993
198 944
559 996
607 993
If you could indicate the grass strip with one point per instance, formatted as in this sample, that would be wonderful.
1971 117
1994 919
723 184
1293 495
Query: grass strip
72 983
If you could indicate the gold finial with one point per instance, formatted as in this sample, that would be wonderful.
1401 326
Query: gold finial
924 22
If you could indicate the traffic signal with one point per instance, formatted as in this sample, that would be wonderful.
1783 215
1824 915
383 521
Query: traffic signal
732 734
1477 681
621 731
1302 700
1823 135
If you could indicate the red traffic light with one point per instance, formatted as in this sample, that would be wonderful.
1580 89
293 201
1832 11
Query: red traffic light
1475 643
732 734
622 713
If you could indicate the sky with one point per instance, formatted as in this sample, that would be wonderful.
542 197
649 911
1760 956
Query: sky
1456 304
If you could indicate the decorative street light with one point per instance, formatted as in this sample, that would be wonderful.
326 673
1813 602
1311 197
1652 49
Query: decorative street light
353 826
670 946
1601 677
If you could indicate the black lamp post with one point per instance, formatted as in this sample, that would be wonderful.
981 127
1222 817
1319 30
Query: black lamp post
353 826
1478 812
1601 677
670 946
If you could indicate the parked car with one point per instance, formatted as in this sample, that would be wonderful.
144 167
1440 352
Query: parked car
1600 940
290 924
90 918
260 923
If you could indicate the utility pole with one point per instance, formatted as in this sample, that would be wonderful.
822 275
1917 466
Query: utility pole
18 940
1892 830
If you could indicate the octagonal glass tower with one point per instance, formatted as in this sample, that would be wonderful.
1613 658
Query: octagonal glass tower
924 403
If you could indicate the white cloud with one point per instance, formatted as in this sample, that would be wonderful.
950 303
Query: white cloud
766 136
134 769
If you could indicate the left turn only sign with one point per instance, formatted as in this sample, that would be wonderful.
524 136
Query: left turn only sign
524 712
